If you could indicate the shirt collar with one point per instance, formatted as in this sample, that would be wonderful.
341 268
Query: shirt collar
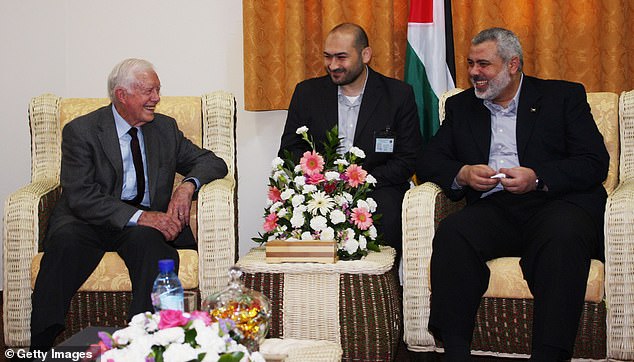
122 125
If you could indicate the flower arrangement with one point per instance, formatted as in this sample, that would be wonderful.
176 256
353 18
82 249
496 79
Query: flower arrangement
171 336
323 197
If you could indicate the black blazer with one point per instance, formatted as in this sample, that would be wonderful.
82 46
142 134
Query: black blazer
556 137
92 168
386 102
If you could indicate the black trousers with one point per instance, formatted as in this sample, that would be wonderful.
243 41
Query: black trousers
555 240
73 252
389 204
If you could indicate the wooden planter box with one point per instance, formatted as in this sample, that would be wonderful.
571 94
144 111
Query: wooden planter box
314 251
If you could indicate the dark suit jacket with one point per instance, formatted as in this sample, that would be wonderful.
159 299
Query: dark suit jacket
556 137
387 102
92 168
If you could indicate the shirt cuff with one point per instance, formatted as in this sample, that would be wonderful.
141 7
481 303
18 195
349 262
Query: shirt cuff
455 186
135 218
194 181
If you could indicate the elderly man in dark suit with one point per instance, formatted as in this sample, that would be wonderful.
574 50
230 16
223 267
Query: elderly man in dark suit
373 112
527 155
117 177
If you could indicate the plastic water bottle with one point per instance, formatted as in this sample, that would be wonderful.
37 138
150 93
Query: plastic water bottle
167 292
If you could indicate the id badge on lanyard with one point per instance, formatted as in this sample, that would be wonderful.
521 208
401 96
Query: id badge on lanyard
384 141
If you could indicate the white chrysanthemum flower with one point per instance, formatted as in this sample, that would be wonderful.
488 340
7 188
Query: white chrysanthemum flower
357 152
363 242
277 163
302 129
286 194
297 221
300 208
370 179
123 355
180 353
372 232
371 204
282 212
279 175
347 196
299 180
318 223
275 206
208 338
128 334
341 161
211 356
308 188
327 234
363 204
167 336
298 169
337 216
351 246
307 236
321 203
340 200
331 175
297 200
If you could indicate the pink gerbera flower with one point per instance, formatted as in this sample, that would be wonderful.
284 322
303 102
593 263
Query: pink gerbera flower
356 175
270 222
361 217
311 163
274 194
315 179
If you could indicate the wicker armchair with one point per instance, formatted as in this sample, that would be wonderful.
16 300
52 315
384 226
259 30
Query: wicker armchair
504 320
209 121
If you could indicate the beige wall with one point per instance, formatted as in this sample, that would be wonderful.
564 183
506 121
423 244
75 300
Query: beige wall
68 47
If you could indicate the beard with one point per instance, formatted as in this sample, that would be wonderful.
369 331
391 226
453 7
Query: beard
496 85
347 75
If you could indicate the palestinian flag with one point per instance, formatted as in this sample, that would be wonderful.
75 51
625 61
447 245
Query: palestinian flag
426 62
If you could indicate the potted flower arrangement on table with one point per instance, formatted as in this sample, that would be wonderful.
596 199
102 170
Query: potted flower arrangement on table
323 197
172 336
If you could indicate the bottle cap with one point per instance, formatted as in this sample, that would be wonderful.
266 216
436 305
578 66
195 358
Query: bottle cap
166 265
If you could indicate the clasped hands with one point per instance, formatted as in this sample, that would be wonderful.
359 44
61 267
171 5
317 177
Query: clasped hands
172 222
518 180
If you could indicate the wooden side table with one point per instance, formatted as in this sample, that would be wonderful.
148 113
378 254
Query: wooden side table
356 304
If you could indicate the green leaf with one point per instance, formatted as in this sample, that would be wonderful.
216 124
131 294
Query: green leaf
231 357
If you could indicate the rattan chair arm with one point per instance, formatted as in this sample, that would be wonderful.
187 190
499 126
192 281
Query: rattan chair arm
619 279
22 227
216 234
423 207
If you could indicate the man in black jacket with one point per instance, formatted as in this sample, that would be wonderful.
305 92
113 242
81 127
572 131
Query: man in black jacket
373 112
527 155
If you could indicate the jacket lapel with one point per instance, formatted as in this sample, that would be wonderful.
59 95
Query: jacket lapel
481 126
109 140
151 141
527 113
371 97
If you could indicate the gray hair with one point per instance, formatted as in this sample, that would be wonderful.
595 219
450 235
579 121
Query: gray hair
508 45
124 74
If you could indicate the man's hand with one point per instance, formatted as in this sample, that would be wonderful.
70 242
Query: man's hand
519 180
478 177
169 226
181 202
